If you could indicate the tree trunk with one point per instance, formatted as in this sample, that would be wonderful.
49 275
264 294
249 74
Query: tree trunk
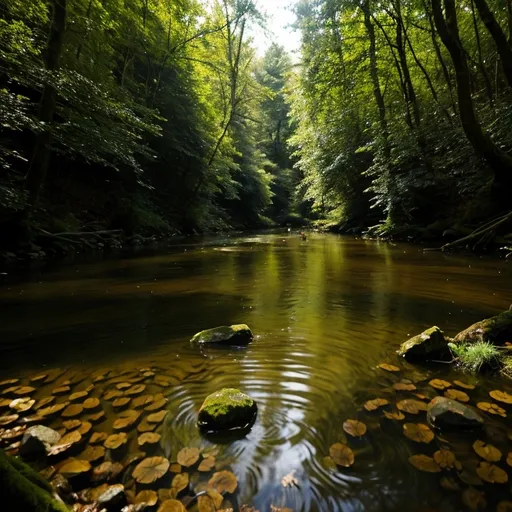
504 49
498 160
36 174
487 81
374 73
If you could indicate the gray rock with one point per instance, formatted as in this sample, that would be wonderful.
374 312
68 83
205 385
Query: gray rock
114 498
37 440
238 334
444 413
430 344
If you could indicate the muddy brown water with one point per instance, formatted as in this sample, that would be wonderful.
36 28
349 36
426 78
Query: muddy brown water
325 313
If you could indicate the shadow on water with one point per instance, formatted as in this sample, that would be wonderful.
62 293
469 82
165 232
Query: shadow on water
325 312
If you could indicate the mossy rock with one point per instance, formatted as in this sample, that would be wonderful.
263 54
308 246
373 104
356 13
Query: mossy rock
227 409
496 330
22 489
430 344
238 334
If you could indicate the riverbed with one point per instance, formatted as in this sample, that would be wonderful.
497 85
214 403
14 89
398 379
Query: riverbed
325 313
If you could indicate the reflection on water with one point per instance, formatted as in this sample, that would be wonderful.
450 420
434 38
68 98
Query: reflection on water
325 312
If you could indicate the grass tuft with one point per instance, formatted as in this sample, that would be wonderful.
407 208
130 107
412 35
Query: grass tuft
477 355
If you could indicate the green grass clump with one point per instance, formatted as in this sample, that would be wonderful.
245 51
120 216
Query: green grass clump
476 355
506 368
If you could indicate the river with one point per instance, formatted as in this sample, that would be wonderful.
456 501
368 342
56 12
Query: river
325 312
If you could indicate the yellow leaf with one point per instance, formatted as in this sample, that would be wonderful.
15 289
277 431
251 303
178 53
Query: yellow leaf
388 367
501 396
223 481
491 473
188 456
150 470
440 384
424 463
354 428
373 405
418 432
488 452
342 455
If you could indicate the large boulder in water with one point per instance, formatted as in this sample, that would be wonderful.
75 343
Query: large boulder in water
238 334
430 344
496 330
444 413
227 409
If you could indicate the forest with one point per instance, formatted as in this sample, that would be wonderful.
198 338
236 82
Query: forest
158 117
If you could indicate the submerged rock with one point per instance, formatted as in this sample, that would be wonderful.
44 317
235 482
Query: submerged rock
238 334
496 330
37 440
227 409
430 344
444 413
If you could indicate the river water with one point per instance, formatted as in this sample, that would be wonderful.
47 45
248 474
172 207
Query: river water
325 312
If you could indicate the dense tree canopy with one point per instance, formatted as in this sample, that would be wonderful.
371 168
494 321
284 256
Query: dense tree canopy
403 110
157 116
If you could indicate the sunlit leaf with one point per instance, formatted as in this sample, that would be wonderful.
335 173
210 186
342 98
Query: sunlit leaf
93 453
98 437
354 428
180 482
150 470
373 405
488 452
72 410
149 497
207 464
223 481
210 502
492 408
342 455
114 441
501 396
157 417
411 406
74 467
424 463
401 386
91 403
446 459
148 438
463 385
171 506
188 456
440 384
491 473
456 394
418 432
388 367
394 415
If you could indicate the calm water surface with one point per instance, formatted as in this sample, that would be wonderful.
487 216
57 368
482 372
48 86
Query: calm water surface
325 312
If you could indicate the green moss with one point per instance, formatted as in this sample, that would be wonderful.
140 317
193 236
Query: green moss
238 334
227 409
497 330
23 490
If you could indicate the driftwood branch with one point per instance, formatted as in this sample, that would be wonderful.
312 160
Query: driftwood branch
483 234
